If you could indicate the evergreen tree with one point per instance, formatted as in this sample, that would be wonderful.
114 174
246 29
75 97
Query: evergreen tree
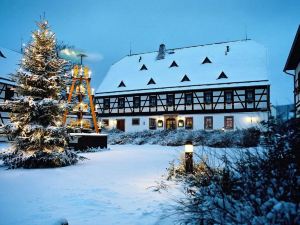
40 139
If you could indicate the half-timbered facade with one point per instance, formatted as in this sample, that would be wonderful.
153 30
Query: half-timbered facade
8 65
293 64
215 86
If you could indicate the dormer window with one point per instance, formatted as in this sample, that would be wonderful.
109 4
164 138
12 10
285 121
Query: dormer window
122 84
151 81
206 60
143 67
1 55
185 78
222 76
174 64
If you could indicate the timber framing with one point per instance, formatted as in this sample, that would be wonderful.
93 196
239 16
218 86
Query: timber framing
239 103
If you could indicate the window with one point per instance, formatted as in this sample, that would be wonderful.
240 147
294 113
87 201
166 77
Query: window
170 99
208 122
185 78
151 81
174 64
208 97
105 122
106 103
206 60
152 123
180 123
222 76
122 84
136 101
189 123
121 103
249 96
160 123
9 94
228 97
188 98
143 67
228 122
135 121
152 101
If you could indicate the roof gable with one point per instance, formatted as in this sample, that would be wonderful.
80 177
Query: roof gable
294 55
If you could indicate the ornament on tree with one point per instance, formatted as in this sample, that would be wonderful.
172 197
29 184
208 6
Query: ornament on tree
40 139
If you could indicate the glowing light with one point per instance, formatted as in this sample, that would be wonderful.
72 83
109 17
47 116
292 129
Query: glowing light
188 147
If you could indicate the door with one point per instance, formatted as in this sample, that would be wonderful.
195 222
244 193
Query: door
121 125
171 124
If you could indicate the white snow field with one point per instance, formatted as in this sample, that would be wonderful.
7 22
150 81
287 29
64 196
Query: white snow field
112 187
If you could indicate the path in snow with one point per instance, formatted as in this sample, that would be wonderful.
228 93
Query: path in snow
110 188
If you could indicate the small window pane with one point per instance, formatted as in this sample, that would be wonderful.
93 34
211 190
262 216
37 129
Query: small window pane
208 122
228 122
152 123
170 99
188 98
135 121
152 101
208 97
228 96
180 123
121 103
106 103
189 123
136 102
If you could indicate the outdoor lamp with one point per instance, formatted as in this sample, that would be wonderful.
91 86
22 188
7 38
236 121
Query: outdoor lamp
188 149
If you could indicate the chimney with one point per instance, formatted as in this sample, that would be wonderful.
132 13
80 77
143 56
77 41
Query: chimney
161 52
227 49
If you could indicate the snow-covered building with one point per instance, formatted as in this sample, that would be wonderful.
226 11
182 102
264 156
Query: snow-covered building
293 64
9 60
214 86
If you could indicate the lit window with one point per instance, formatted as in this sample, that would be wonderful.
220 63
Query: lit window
228 122
106 103
208 122
188 98
208 97
135 121
180 123
160 123
189 123
170 99
105 122
152 123
228 97
121 103
152 101
136 102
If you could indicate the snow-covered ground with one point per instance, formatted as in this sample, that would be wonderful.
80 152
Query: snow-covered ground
112 187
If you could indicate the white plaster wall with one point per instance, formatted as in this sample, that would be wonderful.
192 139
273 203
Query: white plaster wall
241 120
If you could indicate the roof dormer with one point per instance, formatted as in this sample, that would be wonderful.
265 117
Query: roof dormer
151 81
185 78
173 64
206 60
222 76
122 84
143 67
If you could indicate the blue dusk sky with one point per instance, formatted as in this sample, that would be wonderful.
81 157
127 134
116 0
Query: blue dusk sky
106 29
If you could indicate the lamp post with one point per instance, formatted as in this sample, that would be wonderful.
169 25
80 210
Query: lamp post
188 149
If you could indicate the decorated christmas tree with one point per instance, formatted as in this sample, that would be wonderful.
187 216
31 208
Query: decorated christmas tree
40 139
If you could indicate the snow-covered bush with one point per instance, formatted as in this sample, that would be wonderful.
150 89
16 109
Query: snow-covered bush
239 138
260 187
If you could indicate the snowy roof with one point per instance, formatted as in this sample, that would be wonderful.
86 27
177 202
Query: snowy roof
203 65
9 60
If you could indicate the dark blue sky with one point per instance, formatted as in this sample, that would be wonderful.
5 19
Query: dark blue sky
105 28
